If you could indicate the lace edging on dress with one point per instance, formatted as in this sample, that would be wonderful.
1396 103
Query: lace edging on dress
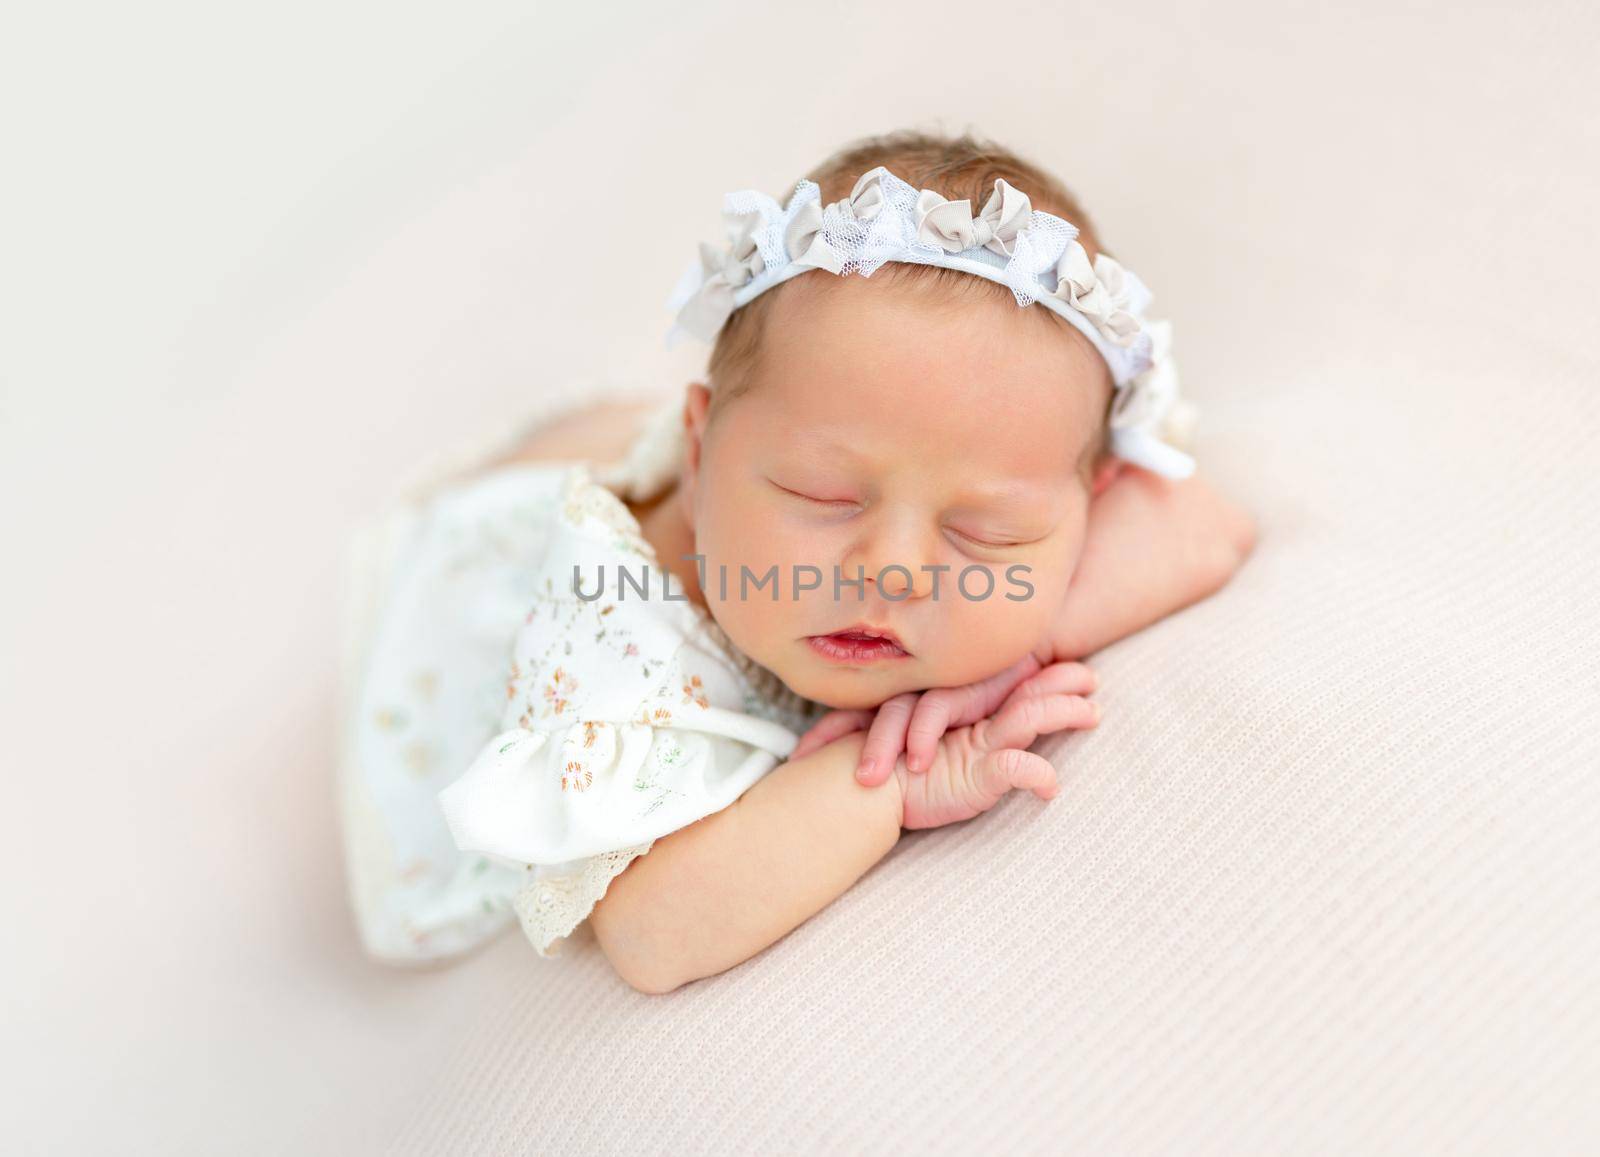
550 907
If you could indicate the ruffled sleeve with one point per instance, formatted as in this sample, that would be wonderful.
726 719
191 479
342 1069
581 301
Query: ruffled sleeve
573 805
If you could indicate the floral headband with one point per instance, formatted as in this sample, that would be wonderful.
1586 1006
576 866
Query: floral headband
1036 254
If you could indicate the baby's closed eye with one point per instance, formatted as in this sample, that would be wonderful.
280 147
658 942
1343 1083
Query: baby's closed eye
990 539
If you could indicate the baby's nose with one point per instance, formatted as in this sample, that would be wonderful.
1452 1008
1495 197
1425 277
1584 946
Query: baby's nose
897 552
900 573
898 581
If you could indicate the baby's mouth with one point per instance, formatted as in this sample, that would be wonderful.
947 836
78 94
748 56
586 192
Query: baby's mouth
858 646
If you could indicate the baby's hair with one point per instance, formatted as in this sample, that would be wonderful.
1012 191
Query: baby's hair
956 167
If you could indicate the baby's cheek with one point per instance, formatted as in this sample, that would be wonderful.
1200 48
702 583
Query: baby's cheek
763 626
978 637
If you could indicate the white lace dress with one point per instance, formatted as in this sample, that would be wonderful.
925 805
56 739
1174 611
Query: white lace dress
509 745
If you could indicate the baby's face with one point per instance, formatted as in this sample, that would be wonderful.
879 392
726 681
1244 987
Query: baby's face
894 426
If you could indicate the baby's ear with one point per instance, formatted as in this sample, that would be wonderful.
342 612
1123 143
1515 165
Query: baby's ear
696 404
1105 474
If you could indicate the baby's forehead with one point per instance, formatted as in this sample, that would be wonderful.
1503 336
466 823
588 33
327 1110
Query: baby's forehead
899 362
933 319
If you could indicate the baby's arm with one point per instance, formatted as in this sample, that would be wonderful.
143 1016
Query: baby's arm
711 895
1153 546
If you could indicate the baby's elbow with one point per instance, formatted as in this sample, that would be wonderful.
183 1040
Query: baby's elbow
632 954
1229 549
1242 534
646 983
647 977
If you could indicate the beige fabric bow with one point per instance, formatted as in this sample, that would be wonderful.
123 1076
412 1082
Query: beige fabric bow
803 238
741 260
1101 292
725 270
951 225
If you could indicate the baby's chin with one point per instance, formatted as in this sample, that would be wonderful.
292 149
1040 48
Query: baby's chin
847 687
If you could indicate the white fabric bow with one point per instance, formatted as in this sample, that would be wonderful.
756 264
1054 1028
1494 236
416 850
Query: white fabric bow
1151 424
1151 401
951 225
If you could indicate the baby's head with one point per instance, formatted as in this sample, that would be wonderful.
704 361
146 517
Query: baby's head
917 419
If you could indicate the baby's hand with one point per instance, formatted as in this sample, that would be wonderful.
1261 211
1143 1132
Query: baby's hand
974 766
913 722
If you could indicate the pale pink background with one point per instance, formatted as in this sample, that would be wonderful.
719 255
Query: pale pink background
257 264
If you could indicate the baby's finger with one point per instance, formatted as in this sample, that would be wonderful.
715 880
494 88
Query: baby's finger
886 739
1020 723
981 699
1067 678
1013 768
945 708
832 725
929 721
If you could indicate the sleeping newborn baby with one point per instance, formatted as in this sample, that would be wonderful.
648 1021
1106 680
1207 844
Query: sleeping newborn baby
900 510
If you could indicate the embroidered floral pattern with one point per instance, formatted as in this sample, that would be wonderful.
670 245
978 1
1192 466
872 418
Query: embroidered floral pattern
669 752
576 776
584 502
558 691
